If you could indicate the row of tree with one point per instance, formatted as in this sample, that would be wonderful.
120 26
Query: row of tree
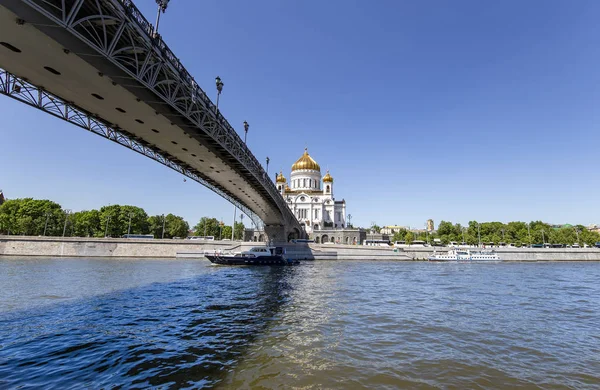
34 217
519 233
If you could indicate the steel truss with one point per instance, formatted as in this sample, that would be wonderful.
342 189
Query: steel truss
118 31
25 92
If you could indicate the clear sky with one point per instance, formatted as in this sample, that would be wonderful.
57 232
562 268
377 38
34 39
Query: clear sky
452 110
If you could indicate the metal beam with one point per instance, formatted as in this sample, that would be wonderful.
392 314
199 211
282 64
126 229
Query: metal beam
145 57
21 90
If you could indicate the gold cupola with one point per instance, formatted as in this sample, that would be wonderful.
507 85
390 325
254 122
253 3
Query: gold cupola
281 178
306 162
327 178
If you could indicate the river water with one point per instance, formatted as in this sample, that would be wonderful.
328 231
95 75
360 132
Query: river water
116 323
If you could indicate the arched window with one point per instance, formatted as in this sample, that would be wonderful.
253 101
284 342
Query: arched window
327 189
303 182
279 188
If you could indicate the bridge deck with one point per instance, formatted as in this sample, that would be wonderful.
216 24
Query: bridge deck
94 84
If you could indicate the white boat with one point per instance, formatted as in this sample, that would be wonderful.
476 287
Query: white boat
465 255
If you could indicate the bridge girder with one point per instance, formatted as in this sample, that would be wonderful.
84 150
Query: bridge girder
118 32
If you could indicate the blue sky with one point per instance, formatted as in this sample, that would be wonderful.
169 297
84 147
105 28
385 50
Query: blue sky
462 110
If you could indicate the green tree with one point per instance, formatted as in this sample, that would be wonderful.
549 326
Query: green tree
239 231
408 237
226 233
86 223
176 226
207 226
28 216
117 219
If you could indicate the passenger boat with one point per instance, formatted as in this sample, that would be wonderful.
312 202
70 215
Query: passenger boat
465 255
255 256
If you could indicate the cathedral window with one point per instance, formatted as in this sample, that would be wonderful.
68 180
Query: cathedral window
327 189
304 183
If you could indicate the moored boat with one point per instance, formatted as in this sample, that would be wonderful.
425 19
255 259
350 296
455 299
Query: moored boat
255 256
465 255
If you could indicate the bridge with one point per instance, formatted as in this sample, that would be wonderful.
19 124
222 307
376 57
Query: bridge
100 65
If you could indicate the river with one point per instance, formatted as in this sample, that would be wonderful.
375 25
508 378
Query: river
123 323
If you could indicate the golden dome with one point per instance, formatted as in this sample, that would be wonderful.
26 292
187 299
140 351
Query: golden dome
287 189
327 178
306 162
280 178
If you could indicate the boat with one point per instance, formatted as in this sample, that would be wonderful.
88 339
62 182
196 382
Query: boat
255 256
465 255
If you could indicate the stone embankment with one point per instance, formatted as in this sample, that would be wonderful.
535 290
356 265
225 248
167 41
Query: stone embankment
120 247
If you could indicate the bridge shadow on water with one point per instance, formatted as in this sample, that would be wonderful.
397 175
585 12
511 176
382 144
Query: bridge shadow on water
184 334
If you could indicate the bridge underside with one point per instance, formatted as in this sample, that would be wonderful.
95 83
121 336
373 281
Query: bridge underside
63 68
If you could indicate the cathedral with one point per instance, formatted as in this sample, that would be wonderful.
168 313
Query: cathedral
310 196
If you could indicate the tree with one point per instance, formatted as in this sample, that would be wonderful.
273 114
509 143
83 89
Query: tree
207 226
28 216
408 237
176 226
239 231
226 233
86 223
117 219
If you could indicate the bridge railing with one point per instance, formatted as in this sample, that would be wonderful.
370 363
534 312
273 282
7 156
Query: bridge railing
250 160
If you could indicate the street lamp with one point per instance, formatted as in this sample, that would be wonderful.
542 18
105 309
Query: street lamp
221 224
129 227
543 237
48 214
479 234
233 225
350 219
106 229
246 126
219 84
268 165
577 232
163 229
162 6
67 212
529 232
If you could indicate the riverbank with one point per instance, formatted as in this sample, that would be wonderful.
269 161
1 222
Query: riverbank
139 248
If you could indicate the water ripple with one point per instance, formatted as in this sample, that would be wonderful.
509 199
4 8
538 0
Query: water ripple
323 325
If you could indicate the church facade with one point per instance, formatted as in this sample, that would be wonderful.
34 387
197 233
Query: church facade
310 196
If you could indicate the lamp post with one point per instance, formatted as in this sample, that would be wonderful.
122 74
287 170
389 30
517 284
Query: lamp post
268 165
221 229
233 225
543 237
162 6
246 126
205 226
219 84
350 219
106 228
529 232
48 214
463 232
163 229
479 234
67 212
129 227
577 232
242 222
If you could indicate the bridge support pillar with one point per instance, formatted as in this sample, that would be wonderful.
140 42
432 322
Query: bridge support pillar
278 234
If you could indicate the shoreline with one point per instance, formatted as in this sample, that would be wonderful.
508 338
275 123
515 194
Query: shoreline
74 247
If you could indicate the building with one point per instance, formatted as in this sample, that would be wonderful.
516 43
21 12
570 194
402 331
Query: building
393 229
310 196
430 225
2 199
